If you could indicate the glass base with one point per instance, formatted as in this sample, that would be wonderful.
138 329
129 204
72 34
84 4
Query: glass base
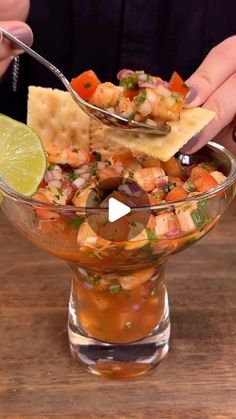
120 360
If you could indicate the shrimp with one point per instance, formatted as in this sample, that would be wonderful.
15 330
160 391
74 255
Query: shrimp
125 160
149 177
165 104
87 197
151 162
54 195
106 95
185 219
67 155
136 278
124 106
42 213
109 178
87 235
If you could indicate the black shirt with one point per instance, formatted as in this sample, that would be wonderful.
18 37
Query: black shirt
159 36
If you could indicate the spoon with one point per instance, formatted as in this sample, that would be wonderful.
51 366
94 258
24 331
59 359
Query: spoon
108 118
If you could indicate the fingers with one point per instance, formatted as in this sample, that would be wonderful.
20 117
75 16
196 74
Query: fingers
223 102
217 67
21 31
7 50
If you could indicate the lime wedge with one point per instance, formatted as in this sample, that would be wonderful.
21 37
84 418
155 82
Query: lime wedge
22 157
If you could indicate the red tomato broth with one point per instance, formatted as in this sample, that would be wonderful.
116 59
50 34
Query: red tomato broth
112 314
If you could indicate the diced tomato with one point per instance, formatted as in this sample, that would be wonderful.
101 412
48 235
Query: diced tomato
205 182
177 84
131 93
177 193
42 184
85 84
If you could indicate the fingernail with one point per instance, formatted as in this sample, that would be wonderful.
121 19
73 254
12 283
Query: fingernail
192 94
187 148
23 34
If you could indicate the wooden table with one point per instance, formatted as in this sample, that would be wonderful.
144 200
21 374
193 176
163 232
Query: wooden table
38 378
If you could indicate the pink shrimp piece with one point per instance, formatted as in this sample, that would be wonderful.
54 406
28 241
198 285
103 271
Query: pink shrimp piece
149 177
106 95
67 155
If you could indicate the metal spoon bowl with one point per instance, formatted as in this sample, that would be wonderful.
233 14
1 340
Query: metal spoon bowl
100 114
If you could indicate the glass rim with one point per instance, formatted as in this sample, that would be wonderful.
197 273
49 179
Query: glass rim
16 196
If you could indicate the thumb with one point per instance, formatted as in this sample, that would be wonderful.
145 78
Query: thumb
21 31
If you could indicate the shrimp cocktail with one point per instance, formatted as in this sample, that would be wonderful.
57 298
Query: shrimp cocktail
115 206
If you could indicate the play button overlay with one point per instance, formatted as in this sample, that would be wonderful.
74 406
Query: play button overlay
124 213
116 210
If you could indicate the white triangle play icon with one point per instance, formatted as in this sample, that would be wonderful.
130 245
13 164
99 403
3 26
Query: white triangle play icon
116 210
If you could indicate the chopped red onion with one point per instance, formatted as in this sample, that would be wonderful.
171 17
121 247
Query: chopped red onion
56 183
48 176
85 176
136 307
82 169
124 73
143 84
79 182
130 189
162 182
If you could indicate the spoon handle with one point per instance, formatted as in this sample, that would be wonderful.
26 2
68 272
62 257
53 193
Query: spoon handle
35 55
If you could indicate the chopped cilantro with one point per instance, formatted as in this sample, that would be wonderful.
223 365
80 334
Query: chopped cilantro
97 155
149 78
190 186
131 175
95 199
93 169
157 195
133 223
130 82
169 187
72 176
140 99
60 192
200 217
108 162
51 166
115 289
132 116
76 222
209 165
57 197
151 234
202 203
93 279
87 85
186 207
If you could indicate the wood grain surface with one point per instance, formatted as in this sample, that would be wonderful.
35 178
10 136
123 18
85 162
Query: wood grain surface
38 378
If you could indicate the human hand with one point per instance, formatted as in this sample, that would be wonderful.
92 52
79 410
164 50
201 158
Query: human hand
12 15
213 86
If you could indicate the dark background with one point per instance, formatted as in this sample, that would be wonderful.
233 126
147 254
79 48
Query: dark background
159 36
